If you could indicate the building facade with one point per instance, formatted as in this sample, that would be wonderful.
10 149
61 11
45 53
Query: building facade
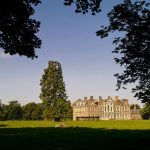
104 109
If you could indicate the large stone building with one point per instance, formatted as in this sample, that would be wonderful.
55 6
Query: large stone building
104 109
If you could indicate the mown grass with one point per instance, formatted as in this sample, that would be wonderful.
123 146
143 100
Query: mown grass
77 135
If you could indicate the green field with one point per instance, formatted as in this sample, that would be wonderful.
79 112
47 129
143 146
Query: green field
77 135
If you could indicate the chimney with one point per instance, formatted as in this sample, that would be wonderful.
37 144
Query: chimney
116 99
100 98
85 98
91 97
109 97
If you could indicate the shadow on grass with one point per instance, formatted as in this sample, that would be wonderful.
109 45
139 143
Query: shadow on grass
73 139
3 125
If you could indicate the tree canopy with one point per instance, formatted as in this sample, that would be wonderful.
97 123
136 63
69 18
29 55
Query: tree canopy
84 6
17 28
28 109
14 111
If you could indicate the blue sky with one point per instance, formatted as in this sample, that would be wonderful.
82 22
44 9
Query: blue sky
69 38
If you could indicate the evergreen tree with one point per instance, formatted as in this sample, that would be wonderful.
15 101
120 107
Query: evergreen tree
53 93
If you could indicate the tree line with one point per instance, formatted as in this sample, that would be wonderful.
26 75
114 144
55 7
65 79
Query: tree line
30 111
37 111
14 111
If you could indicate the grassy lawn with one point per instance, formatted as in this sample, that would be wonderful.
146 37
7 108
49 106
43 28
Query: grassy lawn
77 135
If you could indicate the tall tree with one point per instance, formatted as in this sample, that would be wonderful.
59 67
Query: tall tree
53 92
132 20
17 28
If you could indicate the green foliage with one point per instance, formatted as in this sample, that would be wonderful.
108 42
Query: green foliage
28 110
53 93
47 113
135 105
145 112
3 111
84 6
17 28
37 113
2 116
14 111
62 110
32 111
52 85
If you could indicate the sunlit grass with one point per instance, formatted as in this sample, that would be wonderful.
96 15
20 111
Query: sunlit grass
32 124
110 124
114 124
